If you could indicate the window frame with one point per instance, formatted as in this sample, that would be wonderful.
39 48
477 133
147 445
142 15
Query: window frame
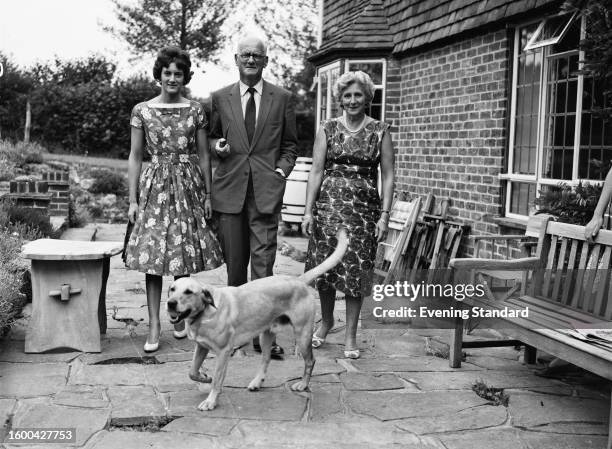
328 95
538 178
343 65
381 86
532 44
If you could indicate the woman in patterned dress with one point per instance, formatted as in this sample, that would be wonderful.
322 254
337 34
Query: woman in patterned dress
171 235
342 190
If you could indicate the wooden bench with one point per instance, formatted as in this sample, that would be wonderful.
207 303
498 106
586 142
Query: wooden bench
68 293
567 284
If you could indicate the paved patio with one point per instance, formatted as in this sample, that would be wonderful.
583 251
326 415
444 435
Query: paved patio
396 395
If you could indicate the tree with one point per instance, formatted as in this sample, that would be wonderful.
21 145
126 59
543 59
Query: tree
193 25
14 88
290 28
597 45
291 32
94 68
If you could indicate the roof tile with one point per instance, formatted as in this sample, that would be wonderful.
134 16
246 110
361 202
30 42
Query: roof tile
400 25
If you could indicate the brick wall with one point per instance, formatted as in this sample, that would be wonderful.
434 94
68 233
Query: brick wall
449 107
27 193
59 188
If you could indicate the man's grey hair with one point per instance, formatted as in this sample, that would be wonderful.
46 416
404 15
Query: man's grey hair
249 37
359 77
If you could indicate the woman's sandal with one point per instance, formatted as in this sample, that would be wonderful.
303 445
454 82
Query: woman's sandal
202 378
317 341
352 354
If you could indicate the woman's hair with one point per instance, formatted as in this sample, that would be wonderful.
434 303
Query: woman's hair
167 56
359 77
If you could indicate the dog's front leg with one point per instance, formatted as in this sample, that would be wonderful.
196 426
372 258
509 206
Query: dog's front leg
199 355
217 383
265 340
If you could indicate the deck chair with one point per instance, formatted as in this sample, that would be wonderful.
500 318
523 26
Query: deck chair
402 221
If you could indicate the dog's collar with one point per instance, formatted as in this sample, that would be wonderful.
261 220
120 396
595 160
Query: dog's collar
197 316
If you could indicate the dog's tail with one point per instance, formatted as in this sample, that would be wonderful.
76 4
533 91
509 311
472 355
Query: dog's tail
329 263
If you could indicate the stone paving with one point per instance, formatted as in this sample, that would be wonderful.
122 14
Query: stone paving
396 395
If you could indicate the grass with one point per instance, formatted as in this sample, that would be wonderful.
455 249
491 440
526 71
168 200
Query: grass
115 164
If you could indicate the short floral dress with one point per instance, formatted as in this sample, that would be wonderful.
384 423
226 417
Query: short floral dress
171 235
348 197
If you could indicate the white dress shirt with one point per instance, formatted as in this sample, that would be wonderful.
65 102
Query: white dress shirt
244 97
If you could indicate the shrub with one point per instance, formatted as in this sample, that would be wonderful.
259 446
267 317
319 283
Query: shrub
99 126
569 205
15 287
78 215
12 299
18 155
6 174
33 220
96 211
33 158
107 181
10 154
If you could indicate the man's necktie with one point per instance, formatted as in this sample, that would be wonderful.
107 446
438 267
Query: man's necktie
249 114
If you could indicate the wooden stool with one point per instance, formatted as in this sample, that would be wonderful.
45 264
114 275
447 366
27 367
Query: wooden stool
68 293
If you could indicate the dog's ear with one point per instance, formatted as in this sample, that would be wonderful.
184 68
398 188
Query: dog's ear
207 298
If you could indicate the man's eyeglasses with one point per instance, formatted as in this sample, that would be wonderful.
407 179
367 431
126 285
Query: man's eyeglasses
255 56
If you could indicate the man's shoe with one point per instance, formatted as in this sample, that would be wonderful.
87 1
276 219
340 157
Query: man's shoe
277 352
256 345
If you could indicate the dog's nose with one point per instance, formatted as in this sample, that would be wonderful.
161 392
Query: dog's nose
171 304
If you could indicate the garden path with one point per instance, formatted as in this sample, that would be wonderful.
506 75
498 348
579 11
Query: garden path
396 395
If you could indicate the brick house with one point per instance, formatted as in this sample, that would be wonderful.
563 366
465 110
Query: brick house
483 97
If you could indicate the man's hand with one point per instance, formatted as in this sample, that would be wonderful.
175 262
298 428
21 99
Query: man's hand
222 148
207 208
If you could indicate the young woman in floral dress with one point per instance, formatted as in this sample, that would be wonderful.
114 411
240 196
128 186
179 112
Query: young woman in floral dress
171 235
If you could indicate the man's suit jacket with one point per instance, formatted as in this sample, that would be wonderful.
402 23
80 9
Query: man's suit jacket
274 145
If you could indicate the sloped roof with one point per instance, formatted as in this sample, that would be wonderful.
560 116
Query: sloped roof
356 25
402 25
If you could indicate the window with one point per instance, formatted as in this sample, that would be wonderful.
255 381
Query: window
550 31
327 75
327 106
554 134
376 70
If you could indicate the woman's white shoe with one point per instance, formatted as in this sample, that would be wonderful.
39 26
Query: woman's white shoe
180 334
151 347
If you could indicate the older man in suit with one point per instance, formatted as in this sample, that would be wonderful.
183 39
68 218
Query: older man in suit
254 135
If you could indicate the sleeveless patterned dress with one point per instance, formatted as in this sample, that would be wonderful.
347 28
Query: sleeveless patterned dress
171 235
348 196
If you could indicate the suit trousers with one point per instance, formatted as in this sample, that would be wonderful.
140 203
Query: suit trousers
248 235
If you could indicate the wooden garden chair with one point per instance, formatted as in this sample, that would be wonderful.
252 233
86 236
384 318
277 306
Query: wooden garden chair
402 222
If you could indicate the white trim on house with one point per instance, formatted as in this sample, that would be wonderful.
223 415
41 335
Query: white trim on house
534 42
328 94
382 86
543 118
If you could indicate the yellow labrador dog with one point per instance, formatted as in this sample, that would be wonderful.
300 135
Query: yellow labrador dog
221 319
